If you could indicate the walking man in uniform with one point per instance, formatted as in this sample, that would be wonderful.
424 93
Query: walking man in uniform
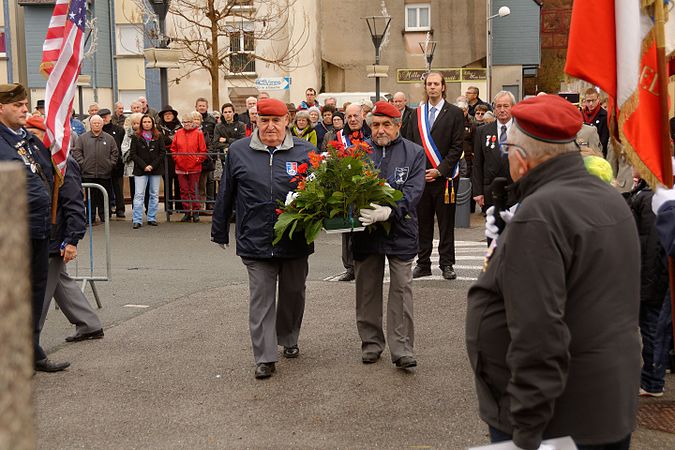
401 164
16 144
438 127
257 175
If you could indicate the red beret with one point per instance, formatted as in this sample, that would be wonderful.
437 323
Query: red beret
36 122
272 107
548 118
383 108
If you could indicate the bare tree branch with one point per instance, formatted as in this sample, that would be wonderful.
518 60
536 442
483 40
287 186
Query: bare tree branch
214 34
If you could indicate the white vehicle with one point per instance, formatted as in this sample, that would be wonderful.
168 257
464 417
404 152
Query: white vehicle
353 97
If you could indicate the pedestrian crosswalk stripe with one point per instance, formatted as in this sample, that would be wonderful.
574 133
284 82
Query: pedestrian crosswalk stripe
467 252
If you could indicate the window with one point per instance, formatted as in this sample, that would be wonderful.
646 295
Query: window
242 46
417 17
243 4
129 40
3 45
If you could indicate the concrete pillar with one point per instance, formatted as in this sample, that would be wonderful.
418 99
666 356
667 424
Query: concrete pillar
16 357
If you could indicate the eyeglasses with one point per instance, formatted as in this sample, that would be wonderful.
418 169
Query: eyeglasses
480 113
506 147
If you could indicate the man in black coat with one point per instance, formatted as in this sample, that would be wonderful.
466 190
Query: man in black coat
18 145
440 131
400 101
117 176
489 162
596 116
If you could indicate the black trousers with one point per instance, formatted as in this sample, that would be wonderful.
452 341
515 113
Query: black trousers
97 198
39 268
117 204
432 204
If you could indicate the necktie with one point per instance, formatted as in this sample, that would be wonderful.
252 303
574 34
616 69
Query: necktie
432 116
271 149
502 136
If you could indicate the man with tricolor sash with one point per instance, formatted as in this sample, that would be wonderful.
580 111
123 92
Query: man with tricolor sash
438 127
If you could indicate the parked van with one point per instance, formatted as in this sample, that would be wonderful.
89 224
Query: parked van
353 97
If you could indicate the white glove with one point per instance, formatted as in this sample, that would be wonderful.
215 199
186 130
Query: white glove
660 197
224 246
491 230
377 214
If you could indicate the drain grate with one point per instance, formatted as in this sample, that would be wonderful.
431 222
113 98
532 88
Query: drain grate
658 416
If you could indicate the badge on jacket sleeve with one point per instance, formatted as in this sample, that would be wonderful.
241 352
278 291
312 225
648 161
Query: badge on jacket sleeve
292 168
401 175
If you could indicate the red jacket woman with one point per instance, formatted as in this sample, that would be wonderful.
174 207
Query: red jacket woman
188 150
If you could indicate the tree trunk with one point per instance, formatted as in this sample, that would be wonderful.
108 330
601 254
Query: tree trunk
16 352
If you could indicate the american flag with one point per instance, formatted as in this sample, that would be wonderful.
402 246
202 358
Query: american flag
62 55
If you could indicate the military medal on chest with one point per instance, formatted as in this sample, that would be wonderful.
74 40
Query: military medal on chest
493 139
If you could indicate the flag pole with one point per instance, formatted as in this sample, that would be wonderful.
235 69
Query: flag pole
662 71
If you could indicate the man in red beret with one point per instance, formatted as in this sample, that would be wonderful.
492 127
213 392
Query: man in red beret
552 335
401 163
259 172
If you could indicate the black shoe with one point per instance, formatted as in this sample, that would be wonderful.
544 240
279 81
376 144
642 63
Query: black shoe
98 334
448 272
406 362
153 223
264 370
347 276
136 226
120 215
195 217
291 352
420 271
369 357
186 218
47 365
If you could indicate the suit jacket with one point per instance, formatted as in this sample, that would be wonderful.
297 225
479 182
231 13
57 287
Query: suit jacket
448 134
488 162
406 114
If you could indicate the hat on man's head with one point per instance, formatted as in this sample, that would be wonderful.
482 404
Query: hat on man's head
104 112
383 108
548 118
40 104
10 93
36 121
272 107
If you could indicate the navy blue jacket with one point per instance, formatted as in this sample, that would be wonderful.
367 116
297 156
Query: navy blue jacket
253 183
665 227
402 164
70 218
38 191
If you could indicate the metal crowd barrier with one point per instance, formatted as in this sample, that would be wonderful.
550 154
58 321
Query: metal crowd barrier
90 277
169 181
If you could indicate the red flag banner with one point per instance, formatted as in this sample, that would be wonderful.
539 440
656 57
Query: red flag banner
62 54
621 58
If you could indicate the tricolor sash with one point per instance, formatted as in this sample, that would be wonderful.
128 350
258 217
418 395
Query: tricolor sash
432 152
344 139
430 148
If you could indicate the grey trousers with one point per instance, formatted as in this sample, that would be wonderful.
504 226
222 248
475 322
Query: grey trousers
369 289
271 324
347 255
69 297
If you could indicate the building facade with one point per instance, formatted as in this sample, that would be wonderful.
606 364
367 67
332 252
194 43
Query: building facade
335 51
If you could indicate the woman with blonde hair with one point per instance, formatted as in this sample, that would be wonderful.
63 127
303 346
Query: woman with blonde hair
188 151
302 128
131 124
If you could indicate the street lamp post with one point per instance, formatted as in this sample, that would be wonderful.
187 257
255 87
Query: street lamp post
428 48
161 8
378 26
503 12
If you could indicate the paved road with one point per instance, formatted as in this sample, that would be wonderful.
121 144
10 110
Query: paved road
178 372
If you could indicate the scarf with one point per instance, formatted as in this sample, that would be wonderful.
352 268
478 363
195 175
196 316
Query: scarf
589 115
147 135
